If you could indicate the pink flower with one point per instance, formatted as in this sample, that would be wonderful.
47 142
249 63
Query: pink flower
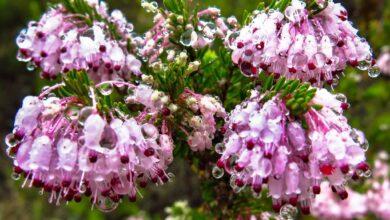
204 125
384 61
313 49
327 206
69 150
61 41
264 145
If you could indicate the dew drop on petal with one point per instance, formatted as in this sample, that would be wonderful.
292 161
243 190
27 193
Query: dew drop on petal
15 176
106 89
217 172
374 71
220 148
288 212
105 204
84 114
188 38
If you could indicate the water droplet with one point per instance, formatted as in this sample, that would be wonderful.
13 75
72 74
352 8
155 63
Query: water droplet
365 145
84 114
217 172
220 148
374 71
367 173
232 39
10 140
335 82
11 152
256 195
288 212
22 58
171 177
106 89
188 38
363 65
105 204
15 176
82 188
341 97
31 66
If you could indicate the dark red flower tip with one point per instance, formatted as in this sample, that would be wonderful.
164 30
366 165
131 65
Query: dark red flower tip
149 152
276 207
327 169
117 67
18 170
240 45
257 188
239 168
77 197
353 63
93 157
48 187
344 106
165 111
293 200
102 48
363 166
344 168
40 35
125 159
143 184
250 144
133 198
292 70
19 134
340 43
239 183
221 164
65 183
305 210
164 178
154 179
311 66
316 190
260 45
343 195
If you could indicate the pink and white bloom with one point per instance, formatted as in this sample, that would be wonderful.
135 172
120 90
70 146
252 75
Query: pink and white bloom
70 150
264 145
61 41
313 49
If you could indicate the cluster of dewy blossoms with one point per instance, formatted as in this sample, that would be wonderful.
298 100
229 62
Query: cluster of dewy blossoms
69 150
61 41
384 61
202 123
264 144
210 26
327 206
313 49
375 202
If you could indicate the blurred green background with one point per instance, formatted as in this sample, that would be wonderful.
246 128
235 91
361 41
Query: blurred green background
369 98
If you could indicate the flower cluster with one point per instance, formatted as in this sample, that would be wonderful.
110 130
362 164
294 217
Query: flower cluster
203 125
68 149
264 144
384 61
374 202
327 206
61 41
313 49
210 25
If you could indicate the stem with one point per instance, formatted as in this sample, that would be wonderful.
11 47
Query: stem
93 97
51 89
